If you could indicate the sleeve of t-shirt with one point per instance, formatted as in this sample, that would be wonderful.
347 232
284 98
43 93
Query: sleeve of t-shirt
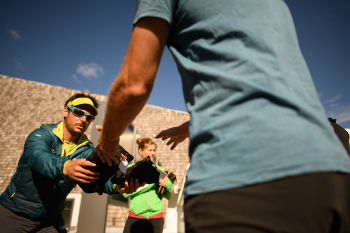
163 9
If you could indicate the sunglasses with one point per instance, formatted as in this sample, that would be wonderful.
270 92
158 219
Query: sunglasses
80 113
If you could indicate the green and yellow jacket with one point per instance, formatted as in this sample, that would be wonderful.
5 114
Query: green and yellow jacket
145 201
38 189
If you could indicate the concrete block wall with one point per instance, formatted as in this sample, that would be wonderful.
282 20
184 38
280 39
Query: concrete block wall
25 105
116 216
151 121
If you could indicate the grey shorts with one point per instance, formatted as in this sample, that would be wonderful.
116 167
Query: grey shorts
13 223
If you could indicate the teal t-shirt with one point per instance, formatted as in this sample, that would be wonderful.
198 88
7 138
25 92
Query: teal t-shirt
255 113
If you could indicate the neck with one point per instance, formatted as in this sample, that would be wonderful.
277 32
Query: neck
68 135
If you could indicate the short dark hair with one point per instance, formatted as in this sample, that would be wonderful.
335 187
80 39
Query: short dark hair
79 95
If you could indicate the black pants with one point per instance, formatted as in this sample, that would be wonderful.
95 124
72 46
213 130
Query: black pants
13 223
314 203
137 225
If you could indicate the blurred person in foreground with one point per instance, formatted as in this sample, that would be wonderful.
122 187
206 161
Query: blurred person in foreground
53 160
146 207
263 156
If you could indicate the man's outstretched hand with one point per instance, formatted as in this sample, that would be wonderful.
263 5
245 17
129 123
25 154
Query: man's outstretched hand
77 170
108 151
132 187
176 135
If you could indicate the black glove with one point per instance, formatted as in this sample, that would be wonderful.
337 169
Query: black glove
106 172
144 170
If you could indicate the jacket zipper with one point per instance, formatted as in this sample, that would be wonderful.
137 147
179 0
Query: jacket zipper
63 150
85 142
148 205
62 153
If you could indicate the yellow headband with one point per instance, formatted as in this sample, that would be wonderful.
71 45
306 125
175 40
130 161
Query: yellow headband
83 100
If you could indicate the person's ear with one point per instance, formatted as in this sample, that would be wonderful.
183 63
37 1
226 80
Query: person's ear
140 151
65 112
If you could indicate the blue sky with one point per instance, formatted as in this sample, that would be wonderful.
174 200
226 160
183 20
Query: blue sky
80 44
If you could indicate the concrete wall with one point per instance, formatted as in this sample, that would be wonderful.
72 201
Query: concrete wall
25 105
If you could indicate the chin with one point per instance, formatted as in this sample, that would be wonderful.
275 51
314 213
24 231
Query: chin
79 131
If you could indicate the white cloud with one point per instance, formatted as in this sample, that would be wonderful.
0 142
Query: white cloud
334 105
341 113
19 64
75 78
90 70
335 98
15 35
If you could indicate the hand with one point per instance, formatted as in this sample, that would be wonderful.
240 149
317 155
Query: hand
176 135
133 186
77 170
108 151
163 181
99 128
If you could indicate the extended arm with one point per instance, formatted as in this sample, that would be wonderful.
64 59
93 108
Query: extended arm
39 157
132 87
168 185
110 188
142 189
77 170
177 134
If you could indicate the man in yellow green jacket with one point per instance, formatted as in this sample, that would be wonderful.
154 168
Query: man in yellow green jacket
53 160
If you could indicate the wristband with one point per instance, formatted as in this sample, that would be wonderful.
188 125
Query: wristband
116 188
64 166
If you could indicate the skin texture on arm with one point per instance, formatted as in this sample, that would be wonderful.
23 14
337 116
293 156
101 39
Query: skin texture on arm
163 181
132 88
176 134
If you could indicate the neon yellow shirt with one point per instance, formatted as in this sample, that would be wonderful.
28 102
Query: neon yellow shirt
67 147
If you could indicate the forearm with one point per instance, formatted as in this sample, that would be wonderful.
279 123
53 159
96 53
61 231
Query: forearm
183 129
133 86
142 189
124 104
39 157
167 194
168 185
50 167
